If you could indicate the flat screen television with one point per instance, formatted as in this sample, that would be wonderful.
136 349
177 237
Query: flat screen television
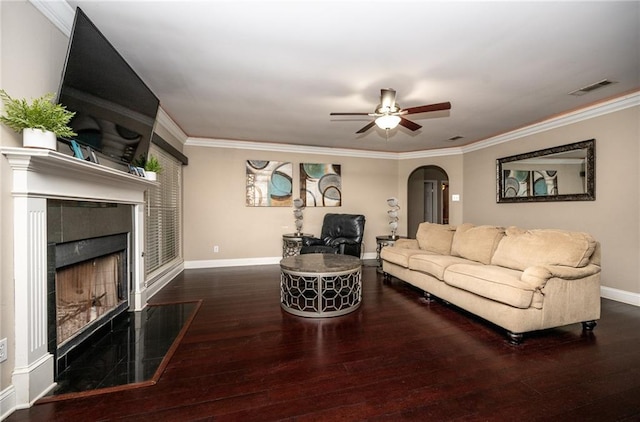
115 109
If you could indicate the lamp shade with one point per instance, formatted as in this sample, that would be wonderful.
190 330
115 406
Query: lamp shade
387 121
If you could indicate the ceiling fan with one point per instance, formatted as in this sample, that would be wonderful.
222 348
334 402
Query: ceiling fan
389 114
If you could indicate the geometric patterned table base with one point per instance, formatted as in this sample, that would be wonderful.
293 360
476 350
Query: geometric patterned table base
320 295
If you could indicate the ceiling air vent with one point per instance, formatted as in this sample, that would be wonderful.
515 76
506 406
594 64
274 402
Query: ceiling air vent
592 87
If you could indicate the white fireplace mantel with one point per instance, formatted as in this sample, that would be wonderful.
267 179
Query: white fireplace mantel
39 175
41 172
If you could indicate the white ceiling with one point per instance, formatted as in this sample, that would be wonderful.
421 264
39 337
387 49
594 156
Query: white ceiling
267 71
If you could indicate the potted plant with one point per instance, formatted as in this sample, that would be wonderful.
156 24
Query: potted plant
151 166
39 121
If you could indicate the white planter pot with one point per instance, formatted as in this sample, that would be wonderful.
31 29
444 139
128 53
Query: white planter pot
151 175
37 138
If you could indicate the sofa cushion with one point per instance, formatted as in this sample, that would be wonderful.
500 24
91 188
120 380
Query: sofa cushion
406 244
399 256
495 283
521 248
477 243
435 238
434 264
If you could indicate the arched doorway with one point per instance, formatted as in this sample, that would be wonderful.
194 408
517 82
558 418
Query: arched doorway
427 197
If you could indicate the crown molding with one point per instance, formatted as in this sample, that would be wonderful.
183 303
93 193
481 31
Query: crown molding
164 120
600 109
59 12
275 147
430 153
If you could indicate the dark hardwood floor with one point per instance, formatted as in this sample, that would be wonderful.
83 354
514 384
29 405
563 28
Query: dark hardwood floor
395 358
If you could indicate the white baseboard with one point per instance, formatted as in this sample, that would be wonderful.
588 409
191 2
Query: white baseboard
164 279
240 262
620 295
7 402
245 262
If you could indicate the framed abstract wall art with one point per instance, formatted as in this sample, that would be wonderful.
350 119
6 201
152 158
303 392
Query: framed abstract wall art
544 182
269 183
320 185
524 183
516 183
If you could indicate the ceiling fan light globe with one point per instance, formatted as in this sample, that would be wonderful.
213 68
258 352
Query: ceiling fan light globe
387 121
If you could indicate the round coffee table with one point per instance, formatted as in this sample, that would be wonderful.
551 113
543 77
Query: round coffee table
320 285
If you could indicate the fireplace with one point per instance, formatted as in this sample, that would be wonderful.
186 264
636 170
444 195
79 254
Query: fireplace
90 287
39 179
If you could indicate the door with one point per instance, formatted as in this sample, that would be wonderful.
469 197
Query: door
431 201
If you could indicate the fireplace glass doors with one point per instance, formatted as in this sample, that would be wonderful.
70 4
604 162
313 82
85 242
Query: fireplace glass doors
87 291
91 287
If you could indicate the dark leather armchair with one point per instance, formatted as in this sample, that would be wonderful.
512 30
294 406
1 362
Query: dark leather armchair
341 234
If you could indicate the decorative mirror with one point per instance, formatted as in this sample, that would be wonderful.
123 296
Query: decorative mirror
563 173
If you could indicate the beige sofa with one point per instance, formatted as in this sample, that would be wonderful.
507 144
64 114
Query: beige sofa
521 280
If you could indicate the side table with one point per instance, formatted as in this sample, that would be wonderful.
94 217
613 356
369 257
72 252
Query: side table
291 243
381 242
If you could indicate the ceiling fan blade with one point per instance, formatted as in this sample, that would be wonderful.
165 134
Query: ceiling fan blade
387 98
409 124
427 108
348 114
367 127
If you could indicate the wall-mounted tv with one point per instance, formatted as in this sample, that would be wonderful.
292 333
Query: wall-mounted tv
115 110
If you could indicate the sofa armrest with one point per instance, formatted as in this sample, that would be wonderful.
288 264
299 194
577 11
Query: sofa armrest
406 244
571 273
537 276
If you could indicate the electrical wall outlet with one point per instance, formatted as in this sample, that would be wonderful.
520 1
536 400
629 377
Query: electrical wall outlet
3 350
216 249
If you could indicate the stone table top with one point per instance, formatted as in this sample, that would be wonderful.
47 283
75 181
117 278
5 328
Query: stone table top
320 263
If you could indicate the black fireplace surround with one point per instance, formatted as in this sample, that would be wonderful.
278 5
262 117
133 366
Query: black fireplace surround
79 232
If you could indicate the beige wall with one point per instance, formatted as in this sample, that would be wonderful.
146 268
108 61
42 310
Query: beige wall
613 218
215 211
32 52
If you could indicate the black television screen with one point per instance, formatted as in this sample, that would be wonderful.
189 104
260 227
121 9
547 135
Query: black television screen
115 110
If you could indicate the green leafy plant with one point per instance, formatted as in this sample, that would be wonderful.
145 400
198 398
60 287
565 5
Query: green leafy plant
149 164
42 113
153 164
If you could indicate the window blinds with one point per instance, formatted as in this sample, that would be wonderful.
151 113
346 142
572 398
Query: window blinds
163 228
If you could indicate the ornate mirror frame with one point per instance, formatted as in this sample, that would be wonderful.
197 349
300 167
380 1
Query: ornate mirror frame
589 157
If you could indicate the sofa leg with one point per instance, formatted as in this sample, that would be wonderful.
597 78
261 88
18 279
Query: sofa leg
515 338
386 277
428 297
589 325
